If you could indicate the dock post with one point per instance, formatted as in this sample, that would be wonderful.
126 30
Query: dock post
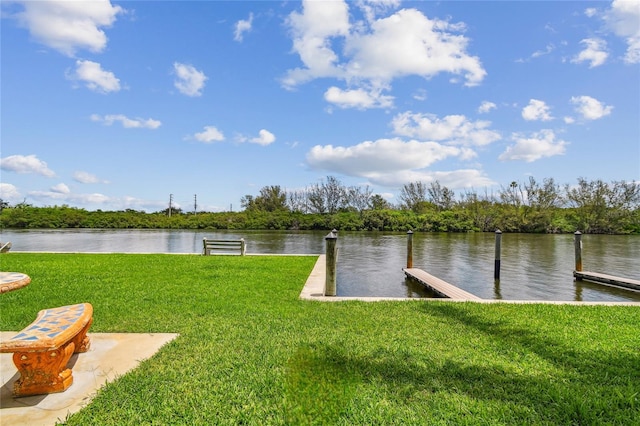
577 244
410 249
331 262
496 265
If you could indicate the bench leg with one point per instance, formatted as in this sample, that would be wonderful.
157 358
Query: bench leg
81 341
43 372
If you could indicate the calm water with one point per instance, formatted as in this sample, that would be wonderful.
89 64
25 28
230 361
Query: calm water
534 267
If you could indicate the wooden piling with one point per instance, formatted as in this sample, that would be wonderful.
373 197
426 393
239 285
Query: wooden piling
496 264
577 244
597 277
410 249
331 263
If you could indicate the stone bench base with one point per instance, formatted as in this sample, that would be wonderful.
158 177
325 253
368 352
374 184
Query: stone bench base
42 350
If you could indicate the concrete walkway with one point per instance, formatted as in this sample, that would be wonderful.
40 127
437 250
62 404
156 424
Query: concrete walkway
110 356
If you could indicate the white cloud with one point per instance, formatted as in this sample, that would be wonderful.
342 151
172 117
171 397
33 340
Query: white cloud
539 145
394 162
26 164
595 52
420 95
463 178
453 129
624 20
265 138
378 51
590 12
139 204
486 106
68 26
536 110
453 179
357 98
373 8
210 134
189 81
9 192
60 188
547 50
311 32
409 43
86 177
242 26
590 108
62 194
94 77
386 195
126 122
382 157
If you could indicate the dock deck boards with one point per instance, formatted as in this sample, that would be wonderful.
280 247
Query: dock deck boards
608 279
439 286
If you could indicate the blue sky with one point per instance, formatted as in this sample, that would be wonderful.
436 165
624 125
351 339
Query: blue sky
116 105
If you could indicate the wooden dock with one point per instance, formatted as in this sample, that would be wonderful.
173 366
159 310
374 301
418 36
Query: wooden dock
439 286
625 283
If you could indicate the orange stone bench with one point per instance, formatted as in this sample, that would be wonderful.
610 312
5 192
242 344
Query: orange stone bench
42 350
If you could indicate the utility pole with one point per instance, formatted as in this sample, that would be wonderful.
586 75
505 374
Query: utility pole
195 203
170 203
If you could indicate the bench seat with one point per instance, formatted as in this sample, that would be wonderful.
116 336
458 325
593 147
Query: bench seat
42 350
223 246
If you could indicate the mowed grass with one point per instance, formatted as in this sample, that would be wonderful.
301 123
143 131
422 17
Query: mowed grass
250 352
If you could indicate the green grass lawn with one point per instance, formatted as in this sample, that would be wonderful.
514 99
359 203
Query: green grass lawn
250 352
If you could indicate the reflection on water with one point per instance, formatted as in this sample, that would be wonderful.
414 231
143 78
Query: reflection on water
533 267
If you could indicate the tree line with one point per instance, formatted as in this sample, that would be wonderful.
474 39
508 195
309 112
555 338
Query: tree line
590 206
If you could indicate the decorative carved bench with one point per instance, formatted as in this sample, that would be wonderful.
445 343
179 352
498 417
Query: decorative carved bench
223 246
42 350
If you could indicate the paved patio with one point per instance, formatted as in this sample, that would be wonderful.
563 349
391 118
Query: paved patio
111 355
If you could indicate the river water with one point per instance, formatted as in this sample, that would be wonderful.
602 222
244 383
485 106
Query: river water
533 267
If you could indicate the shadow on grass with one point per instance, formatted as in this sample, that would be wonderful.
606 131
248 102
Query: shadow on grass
533 379
318 384
555 351
594 384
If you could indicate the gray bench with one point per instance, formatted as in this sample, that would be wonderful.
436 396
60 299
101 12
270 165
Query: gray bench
223 246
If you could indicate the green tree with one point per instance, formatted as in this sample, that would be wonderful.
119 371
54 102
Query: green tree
412 195
315 198
589 199
247 202
271 199
334 193
358 197
297 201
377 202
441 196
540 205
328 196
